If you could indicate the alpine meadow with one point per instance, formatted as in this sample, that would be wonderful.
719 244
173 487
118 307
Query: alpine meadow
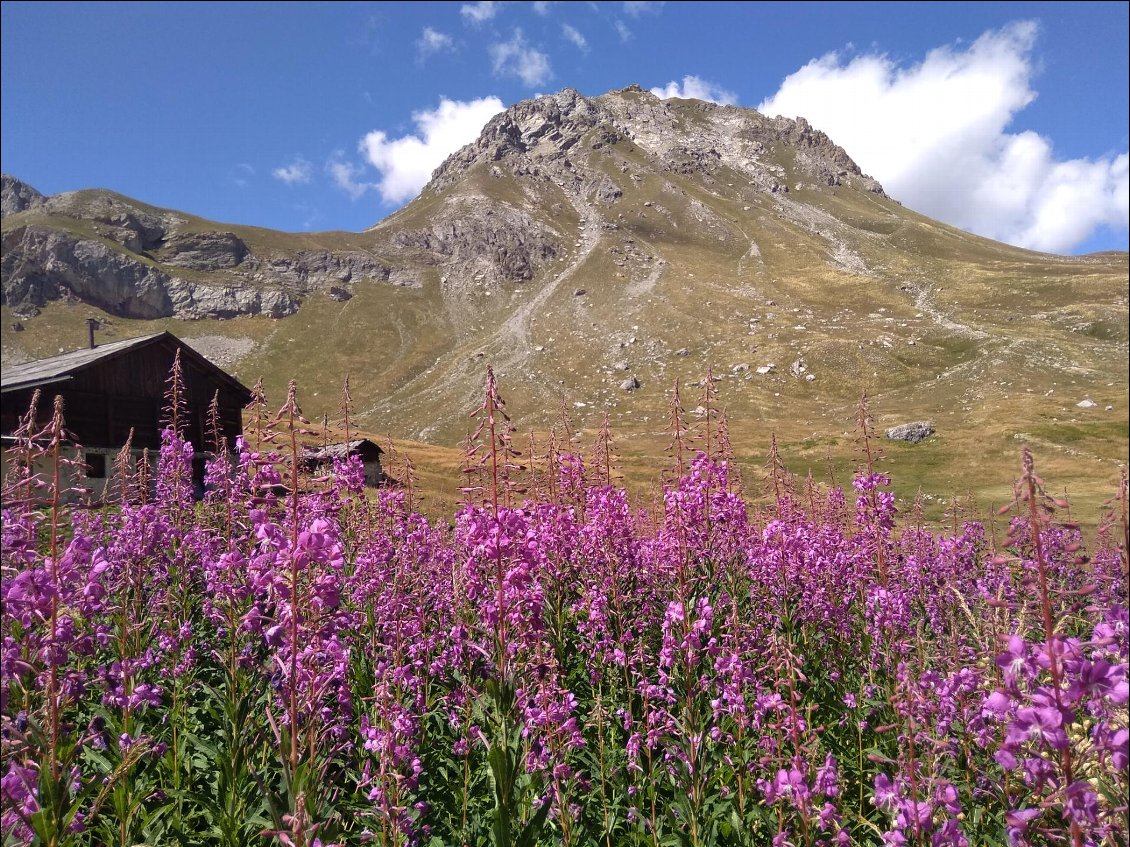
804 520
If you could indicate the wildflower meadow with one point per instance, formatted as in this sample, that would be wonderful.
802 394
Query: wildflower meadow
295 660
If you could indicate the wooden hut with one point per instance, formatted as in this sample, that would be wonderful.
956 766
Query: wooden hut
370 453
109 389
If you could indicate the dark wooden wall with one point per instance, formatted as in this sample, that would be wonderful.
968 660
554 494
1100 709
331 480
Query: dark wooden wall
104 401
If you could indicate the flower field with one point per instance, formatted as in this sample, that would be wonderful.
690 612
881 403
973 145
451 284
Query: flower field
295 661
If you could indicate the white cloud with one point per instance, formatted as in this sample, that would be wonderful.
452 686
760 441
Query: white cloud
297 172
517 58
696 88
623 31
635 8
934 135
345 176
432 41
479 13
574 36
407 163
541 7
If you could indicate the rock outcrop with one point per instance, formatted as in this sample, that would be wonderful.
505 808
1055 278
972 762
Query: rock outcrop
17 196
911 433
42 264
204 251
538 137
137 262
478 239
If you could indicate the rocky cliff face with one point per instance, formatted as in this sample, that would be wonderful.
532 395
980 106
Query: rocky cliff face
41 264
549 137
477 239
134 261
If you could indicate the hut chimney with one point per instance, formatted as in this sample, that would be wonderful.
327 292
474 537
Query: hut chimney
91 325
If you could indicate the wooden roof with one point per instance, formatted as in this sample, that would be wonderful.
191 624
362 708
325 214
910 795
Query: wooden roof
339 450
63 367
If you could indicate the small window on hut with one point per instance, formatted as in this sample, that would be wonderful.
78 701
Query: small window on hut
96 465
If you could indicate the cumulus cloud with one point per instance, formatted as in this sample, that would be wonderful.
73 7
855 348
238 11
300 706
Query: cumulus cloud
432 41
297 172
934 133
479 13
406 163
696 88
517 58
574 36
346 176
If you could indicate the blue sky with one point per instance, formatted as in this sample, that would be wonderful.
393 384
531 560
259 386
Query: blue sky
1009 119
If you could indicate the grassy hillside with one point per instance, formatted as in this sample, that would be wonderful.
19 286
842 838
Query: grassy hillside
683 268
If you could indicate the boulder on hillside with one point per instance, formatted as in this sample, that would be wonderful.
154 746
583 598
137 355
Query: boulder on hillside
911 433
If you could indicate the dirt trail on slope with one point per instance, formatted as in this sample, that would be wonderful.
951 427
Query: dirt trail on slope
457 378
514 332
638 288
924 302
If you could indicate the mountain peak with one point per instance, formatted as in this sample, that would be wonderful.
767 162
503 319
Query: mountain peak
547 135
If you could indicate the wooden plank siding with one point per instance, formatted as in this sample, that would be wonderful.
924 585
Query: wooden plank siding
103 400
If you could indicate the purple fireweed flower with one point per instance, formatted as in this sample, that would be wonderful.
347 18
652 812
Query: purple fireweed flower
1016 662
1017 822
1006 759
18 797
1038 723
949 834
1098 679
1082 806
886 796
914 816
997 705
1119 745
946 798
826 778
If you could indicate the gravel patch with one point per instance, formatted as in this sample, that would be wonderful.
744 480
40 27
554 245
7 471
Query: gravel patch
222 350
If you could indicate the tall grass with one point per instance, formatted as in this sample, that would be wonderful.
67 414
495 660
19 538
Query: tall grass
299 661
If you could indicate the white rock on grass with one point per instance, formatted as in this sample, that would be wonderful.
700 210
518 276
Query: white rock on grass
912 433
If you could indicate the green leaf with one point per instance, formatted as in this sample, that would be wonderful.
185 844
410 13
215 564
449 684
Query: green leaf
531 832
735 823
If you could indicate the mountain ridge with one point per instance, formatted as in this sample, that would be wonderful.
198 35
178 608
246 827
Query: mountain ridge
604 247
516 133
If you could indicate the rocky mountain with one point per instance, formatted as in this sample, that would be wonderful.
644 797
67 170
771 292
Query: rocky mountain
603 247
130 259
136 261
